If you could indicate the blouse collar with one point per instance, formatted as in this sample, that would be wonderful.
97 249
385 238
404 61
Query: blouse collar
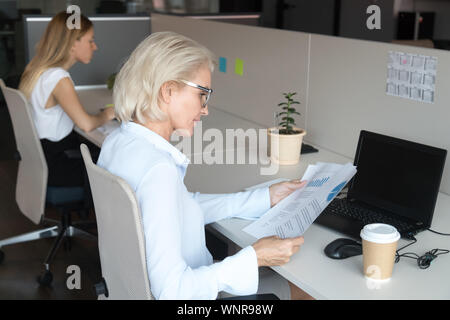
158 141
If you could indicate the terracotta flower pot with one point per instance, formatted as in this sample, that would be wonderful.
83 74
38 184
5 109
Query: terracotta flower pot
284 149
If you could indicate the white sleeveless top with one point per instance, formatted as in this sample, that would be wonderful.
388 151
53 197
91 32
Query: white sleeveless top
53 123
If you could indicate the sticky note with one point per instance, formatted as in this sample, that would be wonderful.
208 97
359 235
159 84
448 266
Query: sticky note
239 67
222 64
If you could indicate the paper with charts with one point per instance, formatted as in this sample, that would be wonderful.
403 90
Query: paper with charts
292 216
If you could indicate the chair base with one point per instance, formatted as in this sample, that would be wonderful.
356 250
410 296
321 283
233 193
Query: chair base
30 236
51 232
61 232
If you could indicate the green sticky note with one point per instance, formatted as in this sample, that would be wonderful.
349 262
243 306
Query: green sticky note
239 67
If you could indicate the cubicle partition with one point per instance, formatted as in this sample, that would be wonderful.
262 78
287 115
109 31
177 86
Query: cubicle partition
246 18
347 93
255 65
115 36
341 84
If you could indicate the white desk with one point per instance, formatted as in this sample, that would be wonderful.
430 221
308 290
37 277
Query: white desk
310 269
93 100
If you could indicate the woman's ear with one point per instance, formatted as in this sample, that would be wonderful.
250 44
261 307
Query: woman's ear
72 49
166 92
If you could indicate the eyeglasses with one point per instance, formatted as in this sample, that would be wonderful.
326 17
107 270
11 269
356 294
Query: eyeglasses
205 97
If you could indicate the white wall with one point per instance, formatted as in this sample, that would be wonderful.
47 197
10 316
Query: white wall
347 93
275 61
341 84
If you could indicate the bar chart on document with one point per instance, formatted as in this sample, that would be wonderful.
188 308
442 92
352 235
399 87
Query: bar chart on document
294 214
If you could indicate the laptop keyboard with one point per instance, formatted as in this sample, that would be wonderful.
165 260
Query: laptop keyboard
350 210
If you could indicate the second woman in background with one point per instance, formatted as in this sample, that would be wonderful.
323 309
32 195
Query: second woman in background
48 86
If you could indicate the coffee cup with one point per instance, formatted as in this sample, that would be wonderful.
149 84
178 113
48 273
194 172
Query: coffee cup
379 242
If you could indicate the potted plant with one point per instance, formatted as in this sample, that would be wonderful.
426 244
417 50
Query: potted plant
110 81
285 139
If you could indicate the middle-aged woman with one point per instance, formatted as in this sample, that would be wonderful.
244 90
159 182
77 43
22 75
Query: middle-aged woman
165 86
47 84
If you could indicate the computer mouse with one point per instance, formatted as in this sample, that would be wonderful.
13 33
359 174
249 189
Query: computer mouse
343 248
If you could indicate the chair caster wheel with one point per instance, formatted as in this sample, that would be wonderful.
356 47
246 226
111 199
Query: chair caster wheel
45 279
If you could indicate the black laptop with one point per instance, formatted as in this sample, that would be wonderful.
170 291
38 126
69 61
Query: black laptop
397 183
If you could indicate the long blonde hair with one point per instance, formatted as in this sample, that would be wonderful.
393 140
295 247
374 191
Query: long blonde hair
53 49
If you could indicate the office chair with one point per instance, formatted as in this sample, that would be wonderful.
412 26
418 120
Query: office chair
121 238
120 235
32 192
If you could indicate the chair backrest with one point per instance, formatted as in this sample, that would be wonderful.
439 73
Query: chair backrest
33 172
120 233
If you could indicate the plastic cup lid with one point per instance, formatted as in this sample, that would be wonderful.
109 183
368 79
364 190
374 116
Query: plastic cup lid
380 233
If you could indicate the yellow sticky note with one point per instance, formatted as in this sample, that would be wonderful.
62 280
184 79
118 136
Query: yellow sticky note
239 67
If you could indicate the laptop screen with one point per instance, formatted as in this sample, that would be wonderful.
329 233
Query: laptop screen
400 176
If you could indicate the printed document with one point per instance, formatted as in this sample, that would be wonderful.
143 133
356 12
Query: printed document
292 216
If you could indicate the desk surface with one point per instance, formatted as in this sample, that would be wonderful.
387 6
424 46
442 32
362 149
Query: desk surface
310 269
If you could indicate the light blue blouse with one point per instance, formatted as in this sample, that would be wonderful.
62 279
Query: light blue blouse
178 262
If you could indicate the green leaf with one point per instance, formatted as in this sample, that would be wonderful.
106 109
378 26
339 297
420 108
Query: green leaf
287 107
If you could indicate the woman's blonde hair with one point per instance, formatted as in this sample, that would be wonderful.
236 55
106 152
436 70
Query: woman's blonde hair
161 57
53 49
